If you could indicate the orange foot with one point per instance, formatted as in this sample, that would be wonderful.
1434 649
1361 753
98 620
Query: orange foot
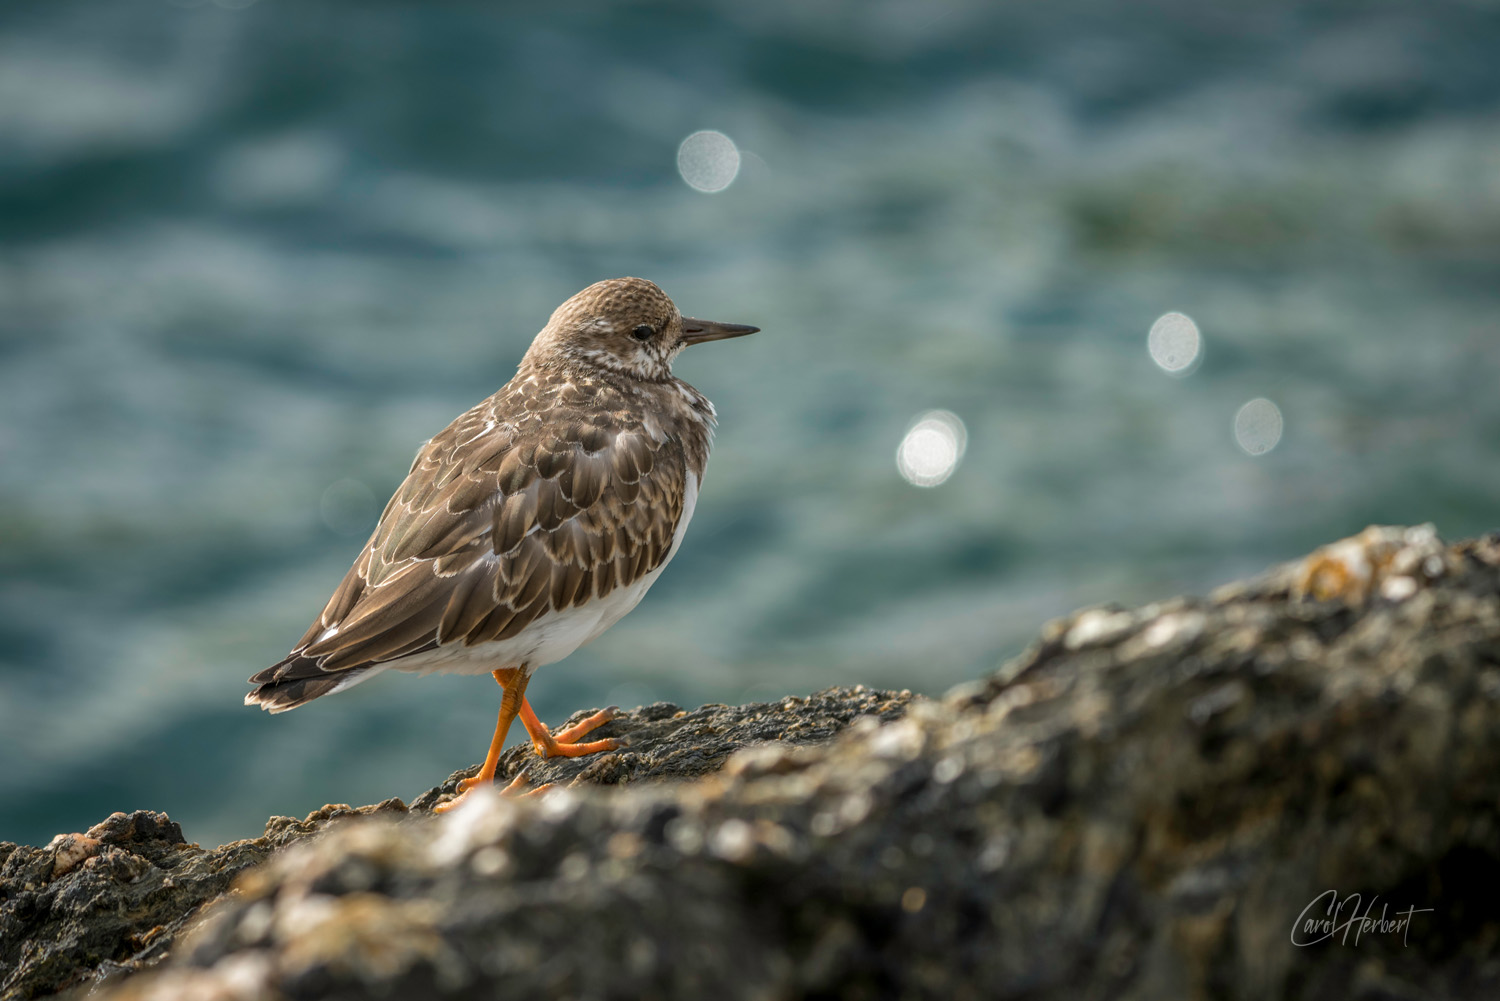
474 782
512 681
516 787
565 743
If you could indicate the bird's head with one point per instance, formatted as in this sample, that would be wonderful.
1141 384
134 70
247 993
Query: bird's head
627 325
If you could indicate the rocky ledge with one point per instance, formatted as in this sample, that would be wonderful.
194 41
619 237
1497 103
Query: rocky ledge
1289 789
92 907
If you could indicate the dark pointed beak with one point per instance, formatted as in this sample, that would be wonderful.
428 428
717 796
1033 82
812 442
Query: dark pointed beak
698 331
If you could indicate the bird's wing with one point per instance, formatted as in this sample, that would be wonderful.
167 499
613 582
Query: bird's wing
497 524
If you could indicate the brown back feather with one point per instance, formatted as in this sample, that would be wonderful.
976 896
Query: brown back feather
550 493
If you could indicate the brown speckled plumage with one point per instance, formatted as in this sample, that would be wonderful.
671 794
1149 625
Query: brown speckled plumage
561 488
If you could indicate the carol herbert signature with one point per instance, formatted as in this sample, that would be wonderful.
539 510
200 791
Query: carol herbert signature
1329 917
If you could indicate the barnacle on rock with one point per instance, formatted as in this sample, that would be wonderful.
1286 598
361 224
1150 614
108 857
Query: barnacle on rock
1389 561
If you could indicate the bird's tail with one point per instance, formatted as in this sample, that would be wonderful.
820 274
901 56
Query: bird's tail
298 680
279 696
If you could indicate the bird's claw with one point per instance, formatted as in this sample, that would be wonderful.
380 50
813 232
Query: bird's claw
566 743
517 786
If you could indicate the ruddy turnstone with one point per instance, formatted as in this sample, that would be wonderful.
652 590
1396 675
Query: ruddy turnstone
529 525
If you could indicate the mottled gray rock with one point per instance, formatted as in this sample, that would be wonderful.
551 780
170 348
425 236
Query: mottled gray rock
1144 805
664 741
111 901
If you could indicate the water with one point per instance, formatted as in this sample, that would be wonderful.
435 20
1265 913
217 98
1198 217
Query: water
252 255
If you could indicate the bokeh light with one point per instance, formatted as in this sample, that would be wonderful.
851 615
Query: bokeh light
708 161
932 448
1257 426
1174 343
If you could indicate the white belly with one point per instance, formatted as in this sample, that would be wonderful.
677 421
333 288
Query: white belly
553 636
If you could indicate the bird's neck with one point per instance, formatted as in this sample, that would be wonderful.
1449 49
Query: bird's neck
648 363
660 390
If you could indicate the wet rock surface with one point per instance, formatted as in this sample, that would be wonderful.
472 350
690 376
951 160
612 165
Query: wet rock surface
1148 803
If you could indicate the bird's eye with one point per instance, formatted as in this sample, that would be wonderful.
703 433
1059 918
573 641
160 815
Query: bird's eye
643 332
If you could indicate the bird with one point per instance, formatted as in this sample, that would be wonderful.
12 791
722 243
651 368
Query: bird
530 524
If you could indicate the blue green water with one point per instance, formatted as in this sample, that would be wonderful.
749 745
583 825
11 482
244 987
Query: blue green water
252 255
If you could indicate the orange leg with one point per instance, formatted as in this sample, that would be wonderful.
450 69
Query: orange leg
512 700
565 742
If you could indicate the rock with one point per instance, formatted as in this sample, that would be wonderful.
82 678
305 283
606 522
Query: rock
70 849
665 741
1391 561
1191 799
110 902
